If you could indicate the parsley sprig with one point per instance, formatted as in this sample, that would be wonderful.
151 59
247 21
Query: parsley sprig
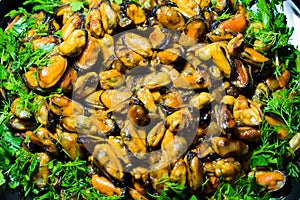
21 171
8 147
272 152
45 5
285 105
274 31
75 182
243 188
174 190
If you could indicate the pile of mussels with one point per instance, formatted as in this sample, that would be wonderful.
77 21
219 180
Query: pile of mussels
164 89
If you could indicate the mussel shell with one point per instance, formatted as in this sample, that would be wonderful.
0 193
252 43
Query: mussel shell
48 76
137 43
21 125
30 78
195 28
160 38
85 85
135 13
221 6
138 114
241 76
170 18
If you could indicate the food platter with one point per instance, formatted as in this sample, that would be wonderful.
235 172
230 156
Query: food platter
130 126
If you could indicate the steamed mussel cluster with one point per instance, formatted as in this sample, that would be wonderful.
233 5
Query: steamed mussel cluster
164 89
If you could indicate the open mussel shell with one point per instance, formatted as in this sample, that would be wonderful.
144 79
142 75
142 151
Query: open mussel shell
272 180
195 28
241 75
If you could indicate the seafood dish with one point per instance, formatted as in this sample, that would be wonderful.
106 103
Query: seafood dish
149 99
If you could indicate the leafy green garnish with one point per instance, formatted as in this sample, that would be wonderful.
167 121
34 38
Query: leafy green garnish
243 188
173 190
45 5
285 105
274 32
293 170
20 11
246 2
225 15
146 4
74 180
8 148
78 5
271 152
20 172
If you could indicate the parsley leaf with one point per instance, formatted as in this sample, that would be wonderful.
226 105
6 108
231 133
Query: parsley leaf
77 5
20 11
246 2
243 188
8 147
225 15
45 5
174 190
21 171
274 32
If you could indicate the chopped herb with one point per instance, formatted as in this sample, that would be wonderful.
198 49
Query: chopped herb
274 33
9 145
45 5
174 190
146 4
20 11
224 16
21 170
78 5
243 188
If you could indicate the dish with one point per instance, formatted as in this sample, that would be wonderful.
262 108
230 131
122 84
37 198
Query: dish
129 40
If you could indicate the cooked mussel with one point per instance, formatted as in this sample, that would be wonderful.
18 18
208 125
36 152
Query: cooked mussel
236 24
241 75
195 28
41 177
135 139
85 85
90 54
129 57
109 17
93 23
74 22
254 57
106 159
188 8
218 35
138 44
170 17
228 147
194 170
138 113
135 13
48 76
272 180
228 168
74 44
218 52
105 186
